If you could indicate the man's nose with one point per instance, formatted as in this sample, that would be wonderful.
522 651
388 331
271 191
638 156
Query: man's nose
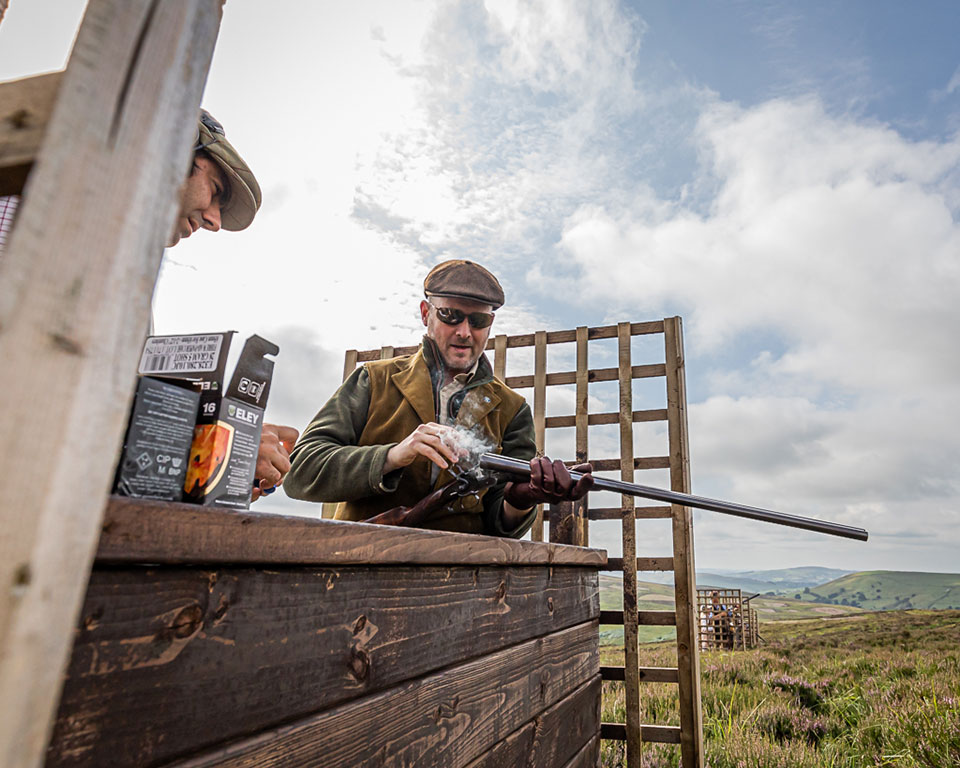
211 217
463 328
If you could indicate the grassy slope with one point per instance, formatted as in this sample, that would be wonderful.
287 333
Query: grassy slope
659 597
872 689
891 590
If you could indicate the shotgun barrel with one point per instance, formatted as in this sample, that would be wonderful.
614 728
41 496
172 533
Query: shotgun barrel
521 469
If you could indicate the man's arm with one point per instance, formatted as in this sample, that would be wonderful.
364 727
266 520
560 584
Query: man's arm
327 464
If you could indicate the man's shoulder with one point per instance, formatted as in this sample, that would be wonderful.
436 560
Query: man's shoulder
506 394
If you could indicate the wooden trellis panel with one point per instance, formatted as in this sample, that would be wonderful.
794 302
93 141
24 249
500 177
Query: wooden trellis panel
570 523
738 629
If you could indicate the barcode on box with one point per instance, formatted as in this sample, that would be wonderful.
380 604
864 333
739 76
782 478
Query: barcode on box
180 354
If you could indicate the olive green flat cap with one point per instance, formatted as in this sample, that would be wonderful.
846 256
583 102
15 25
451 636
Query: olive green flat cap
243 202
462 279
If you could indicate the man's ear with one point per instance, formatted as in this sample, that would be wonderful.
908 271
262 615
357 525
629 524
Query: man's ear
424 311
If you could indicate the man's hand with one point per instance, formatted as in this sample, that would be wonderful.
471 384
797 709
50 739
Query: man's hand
432 441
273 459
549 483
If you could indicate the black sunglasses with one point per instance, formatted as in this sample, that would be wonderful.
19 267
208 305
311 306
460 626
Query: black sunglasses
450 316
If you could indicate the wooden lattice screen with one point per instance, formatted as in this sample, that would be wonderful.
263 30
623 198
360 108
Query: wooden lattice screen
572 525
734 627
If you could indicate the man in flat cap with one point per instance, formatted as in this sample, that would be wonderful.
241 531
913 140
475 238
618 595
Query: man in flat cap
387 438
221 192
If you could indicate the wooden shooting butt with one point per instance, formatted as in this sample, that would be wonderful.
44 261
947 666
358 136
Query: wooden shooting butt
215 638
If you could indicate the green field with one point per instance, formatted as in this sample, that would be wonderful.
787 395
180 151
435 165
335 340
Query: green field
889 590
659 597
857 691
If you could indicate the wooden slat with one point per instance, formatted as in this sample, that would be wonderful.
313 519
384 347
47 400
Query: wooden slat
582 421
386 352
349 363
529 339
562 522
539 412
651 734
647 674
659 414
448 718
75 285
25 109
629 540
589 756
641 513
684 579
643 564
640 462
500 356
644 618
138 531
599 374
557 735
203 656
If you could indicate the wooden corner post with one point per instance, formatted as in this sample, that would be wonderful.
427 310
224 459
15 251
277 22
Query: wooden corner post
75 285
688 646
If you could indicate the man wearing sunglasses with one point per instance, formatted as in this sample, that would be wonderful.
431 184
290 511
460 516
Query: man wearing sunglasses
387 439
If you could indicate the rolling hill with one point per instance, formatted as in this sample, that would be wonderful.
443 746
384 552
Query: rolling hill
889 591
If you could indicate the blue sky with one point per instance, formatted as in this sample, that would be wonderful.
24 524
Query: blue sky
784 175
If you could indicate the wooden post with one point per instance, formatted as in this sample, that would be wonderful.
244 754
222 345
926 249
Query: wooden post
500 356
688 646
562 523
75 287
539 414
349 363
631 652
582 420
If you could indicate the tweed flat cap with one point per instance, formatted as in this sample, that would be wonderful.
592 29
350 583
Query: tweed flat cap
243 202
461 279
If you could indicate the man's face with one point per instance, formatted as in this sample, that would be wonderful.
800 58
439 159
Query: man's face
200 199
460 345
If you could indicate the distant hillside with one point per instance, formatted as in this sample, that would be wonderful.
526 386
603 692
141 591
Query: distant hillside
781 581
659 597
889 591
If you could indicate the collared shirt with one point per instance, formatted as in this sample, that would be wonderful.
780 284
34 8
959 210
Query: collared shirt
448 390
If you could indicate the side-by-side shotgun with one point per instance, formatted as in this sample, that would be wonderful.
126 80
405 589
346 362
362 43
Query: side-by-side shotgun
492 462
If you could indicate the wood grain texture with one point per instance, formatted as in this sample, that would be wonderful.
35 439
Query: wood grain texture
500 356
444 720
75 285
644 618
539 384
653 734
554 737
599 374
138 531
25 109
173 660
684 579
646 674
643 564
630 617
588 757
593 419
582 436
641 513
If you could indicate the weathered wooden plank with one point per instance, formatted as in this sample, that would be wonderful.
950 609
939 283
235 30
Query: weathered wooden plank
630 617
655 734
599 374
75 285
539 413
646 674
386 352
138 531
643 564
639 462
582 422
557 735
588 757
500 356
25 109
562 522
204 656
644 618
641 513
684 579
593 419
350 363
444 720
